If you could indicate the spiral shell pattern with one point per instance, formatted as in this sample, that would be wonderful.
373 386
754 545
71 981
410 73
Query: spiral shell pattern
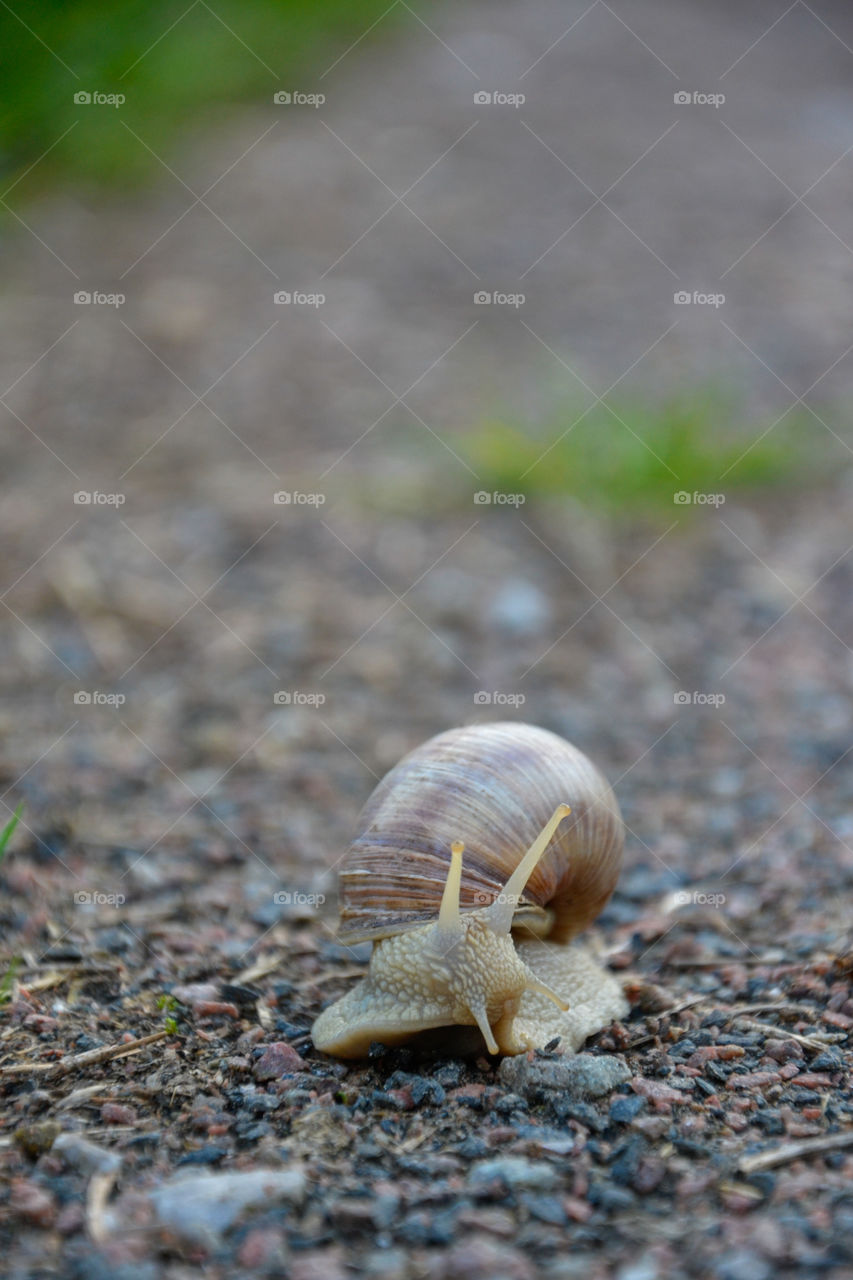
492 786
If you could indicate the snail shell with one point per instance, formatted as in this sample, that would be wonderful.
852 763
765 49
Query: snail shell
493 787
478 940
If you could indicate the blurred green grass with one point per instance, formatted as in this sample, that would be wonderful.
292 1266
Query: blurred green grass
178 65
9 829
637 457
182 67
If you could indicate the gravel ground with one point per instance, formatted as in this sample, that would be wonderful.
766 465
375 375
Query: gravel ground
173 876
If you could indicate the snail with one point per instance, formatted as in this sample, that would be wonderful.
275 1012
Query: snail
481 855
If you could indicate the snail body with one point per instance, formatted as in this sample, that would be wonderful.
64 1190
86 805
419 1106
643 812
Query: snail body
481 855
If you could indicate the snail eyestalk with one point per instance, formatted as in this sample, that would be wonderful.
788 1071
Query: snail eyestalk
448 915
499 915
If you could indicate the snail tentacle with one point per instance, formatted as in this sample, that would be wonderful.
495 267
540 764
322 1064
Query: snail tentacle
502 910
448 912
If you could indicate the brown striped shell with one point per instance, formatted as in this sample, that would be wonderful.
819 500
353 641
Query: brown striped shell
492 786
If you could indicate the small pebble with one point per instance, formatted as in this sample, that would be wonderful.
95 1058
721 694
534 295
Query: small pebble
546 1209
742 1264
479 1258
472 1148
115 1113
85 1156
752 1079
199 1208
827 1062
32 1203
782 1050
215 1009
650 1173
604 1196
814 1080
264 1251
623 1110
204 1155
278 1059
661 1096
514 1172
580 1075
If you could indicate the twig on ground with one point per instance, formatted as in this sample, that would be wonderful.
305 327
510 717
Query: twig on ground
260 968
811 1042
793 1151
92 1057
97 1195
717 963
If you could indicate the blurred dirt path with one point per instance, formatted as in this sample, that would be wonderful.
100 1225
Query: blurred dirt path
598 198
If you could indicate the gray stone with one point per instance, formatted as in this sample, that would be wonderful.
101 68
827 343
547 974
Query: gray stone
580 1075
516 1172
742 1264
200 1207
85 1156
